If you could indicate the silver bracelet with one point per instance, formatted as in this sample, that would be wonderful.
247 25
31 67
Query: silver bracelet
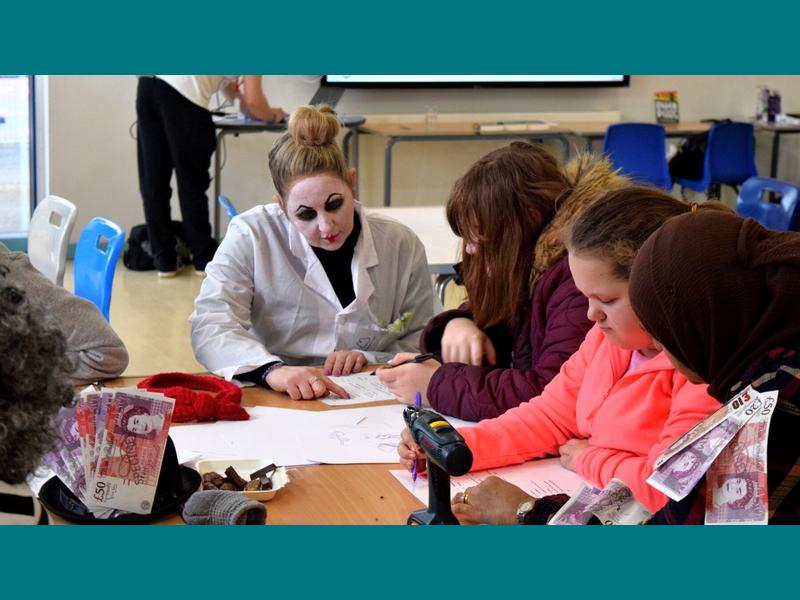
276 365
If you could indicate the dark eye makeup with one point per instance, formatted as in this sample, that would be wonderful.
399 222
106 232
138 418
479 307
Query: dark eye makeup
332 204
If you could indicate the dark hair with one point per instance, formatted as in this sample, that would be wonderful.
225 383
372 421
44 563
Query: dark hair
33 385
503 202
615 227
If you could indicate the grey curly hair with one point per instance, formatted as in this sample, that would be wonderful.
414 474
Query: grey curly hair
33 385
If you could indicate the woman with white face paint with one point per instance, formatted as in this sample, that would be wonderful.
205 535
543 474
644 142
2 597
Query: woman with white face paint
312 279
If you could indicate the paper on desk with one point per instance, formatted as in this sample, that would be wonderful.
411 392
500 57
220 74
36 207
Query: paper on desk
361 435
358 435
300 437
362 387
538 478
269 434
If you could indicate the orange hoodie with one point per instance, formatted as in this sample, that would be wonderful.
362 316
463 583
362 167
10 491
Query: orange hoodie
629 419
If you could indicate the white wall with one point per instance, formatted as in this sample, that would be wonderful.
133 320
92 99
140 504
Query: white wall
92 158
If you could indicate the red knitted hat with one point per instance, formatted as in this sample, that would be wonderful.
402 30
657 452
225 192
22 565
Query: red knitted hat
191 405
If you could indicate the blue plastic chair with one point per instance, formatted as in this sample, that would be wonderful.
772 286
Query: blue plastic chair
96 257
750 202
729 158
225 203
638 150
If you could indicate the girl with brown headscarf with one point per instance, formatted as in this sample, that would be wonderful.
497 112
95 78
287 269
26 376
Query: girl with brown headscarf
722 295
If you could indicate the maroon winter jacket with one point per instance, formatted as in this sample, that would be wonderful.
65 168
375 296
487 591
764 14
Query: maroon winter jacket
530 351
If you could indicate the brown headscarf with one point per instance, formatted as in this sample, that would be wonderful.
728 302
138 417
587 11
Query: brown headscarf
718 292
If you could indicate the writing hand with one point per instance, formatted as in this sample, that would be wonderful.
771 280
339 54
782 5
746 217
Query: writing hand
409 452
405 381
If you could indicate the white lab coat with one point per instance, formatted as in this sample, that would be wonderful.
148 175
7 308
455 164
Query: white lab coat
266 296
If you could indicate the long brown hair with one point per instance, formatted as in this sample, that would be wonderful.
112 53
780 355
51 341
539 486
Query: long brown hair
502 204
308 147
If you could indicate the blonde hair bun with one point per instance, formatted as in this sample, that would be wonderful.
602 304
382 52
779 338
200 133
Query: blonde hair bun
313 125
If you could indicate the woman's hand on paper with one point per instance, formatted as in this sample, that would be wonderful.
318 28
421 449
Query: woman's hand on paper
344 362
493 501
409 451
569 452
464 342
405 381
303 383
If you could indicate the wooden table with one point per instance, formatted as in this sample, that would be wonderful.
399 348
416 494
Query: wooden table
395 133
365 494
440 131
777 131
593 131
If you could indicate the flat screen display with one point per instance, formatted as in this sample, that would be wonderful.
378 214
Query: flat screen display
475 80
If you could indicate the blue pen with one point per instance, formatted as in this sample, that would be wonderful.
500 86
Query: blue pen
418 404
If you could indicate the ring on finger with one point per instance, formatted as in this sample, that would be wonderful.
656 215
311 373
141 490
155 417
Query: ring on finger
465 496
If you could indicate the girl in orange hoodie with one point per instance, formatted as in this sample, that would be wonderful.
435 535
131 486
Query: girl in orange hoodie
616 404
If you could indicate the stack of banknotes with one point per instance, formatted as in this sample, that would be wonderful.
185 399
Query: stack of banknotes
613 505
730 448
110 448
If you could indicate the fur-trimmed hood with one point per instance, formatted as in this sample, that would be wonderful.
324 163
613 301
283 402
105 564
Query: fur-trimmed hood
591 177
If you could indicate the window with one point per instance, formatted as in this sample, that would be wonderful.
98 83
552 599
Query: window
16 152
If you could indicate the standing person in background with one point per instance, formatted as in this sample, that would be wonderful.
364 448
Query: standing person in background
525 316
175 132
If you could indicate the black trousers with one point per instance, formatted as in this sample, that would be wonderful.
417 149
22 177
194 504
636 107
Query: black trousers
174 134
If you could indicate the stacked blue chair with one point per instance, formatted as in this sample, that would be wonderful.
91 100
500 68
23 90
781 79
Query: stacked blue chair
753 201
225 203
729 158
96 257
638 150
49 233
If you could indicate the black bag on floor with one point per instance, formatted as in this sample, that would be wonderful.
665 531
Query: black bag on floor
688 162
139 257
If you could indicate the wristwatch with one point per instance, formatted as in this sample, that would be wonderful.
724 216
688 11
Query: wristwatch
524 509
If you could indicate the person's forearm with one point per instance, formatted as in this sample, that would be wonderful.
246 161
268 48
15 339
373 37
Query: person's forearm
253 102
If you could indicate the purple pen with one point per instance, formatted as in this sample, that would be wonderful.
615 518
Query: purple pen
417 404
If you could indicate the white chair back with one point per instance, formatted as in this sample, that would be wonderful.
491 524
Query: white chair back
48 236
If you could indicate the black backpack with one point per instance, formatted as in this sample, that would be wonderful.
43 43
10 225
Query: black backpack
139 257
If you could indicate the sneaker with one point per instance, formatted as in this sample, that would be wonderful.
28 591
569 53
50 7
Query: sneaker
167 274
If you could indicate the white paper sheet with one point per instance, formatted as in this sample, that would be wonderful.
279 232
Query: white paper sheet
300 437
358 435
362 387
538 478
361 435
269 434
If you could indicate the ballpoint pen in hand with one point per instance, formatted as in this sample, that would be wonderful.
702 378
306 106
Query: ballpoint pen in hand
417 359
418 404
